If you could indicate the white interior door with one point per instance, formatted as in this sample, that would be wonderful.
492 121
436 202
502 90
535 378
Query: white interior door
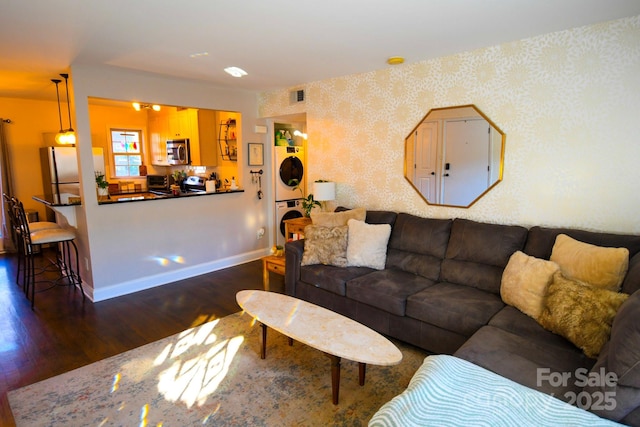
466 160
424 172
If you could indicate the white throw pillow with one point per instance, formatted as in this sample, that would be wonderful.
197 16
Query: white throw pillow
525 281
367 244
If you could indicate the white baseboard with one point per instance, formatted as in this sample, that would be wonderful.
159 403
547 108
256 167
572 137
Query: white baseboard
124 288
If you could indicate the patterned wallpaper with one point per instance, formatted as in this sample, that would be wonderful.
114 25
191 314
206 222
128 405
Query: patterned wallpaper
569 103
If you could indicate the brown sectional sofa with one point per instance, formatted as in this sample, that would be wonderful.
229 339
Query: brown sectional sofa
440 291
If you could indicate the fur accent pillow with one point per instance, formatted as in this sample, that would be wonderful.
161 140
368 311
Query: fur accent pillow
598 266
580 313
336 219
325 245
367 245
524 282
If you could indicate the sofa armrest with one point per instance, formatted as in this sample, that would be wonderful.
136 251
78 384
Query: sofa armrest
631 281
293 257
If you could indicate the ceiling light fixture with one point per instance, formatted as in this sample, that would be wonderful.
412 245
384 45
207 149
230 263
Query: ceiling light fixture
395 60
137 106
68 136
235 71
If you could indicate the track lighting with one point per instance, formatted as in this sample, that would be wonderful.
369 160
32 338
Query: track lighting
137 106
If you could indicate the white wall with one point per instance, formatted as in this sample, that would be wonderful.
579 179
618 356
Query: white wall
568 102
137 245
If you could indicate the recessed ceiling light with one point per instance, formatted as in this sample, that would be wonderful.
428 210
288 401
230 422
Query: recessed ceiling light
199 54
395 60
235 71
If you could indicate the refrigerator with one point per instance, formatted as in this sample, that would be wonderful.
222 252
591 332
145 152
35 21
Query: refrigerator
60 171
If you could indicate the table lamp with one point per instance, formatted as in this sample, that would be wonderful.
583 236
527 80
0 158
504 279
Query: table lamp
323 191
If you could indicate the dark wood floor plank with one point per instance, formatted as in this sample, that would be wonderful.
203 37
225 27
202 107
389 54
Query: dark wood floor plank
63 333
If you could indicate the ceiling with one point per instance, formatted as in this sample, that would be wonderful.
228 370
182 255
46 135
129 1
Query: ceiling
280 43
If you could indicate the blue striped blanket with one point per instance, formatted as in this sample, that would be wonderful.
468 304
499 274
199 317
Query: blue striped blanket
447 391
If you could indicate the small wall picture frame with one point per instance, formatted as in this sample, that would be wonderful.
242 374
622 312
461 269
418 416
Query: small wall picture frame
256 154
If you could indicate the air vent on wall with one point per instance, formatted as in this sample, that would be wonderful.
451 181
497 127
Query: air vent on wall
296 96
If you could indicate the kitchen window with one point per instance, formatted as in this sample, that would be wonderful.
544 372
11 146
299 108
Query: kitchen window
126 152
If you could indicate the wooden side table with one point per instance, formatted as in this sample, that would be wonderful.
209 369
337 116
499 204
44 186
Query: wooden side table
295 226
272 263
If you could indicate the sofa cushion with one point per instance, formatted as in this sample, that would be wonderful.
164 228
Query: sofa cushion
522 358
598 266
540 240
417 245
367 244
381 217
580 313
512 320
478 252
386 289
524 282
325 245
336 219
458 308
330 278
482 276
375 217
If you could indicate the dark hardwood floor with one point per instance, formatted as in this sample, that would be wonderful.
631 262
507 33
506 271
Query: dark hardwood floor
63 333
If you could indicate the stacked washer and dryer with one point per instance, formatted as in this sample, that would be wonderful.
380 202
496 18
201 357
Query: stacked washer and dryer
289 165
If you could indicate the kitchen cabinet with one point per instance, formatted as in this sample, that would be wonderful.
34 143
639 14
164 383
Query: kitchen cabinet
202 137
179 123
158 131
195 124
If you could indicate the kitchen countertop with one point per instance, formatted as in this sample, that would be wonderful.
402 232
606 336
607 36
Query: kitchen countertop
155 195
54 201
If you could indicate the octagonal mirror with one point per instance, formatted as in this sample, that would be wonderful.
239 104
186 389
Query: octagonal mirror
454 156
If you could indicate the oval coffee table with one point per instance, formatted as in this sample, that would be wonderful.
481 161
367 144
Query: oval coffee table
332 333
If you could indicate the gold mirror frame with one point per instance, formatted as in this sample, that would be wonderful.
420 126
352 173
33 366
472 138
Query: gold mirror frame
449 161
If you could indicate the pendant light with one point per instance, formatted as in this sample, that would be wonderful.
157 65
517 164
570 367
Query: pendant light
68 136
61 131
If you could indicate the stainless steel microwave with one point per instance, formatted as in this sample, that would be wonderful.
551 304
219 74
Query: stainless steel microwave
178 152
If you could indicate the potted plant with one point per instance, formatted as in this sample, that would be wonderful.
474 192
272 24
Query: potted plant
307 202
102 184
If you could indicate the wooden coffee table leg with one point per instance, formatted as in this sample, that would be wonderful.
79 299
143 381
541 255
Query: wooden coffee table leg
362 371
263 349
335 377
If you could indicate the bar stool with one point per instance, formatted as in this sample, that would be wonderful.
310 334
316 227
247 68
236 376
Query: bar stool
15 229
29 239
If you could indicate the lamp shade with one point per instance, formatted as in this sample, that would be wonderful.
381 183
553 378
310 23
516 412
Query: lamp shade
324 191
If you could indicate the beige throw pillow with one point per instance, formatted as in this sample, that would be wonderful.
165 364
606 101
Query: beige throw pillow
367 244
336 219
325 245
580 313
524 282
601 267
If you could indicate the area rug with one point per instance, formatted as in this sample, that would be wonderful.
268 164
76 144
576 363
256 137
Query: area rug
213 375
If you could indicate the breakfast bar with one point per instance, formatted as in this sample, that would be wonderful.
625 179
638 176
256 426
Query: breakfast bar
64 207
